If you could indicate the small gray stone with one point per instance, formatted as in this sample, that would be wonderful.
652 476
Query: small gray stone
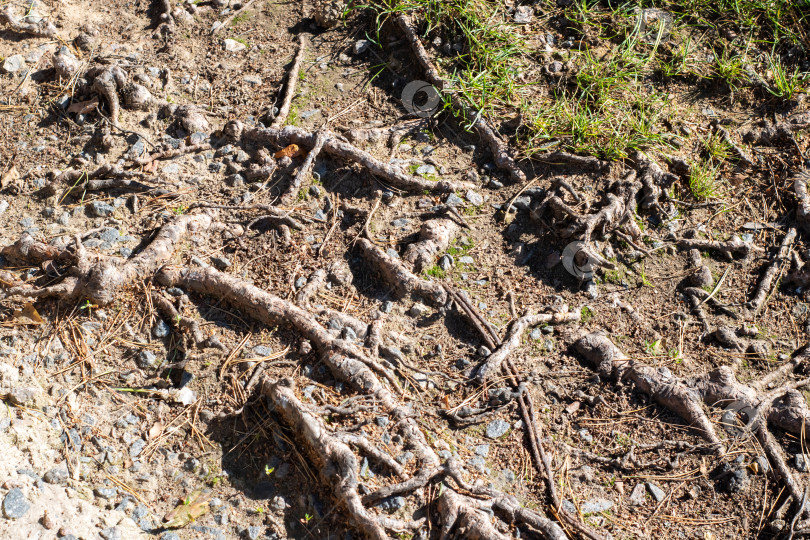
524 14
171 168
446 262
800 463
255 80
586 436
105 493
169 536
220 262
307 114
536 334
484 351
417 310
300 282
466 259
478 463
453 200
15 505
594 506
426 169
482 450
136 447
253 532
13 63
387 306
392 504
361 46
657 493
637 496
401 222
475 198
231 45
101 209
161 329
497 428
147 359
56 476
391 252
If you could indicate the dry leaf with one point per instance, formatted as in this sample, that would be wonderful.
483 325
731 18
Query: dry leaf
291 151
27 315
83 107
9 177
155 430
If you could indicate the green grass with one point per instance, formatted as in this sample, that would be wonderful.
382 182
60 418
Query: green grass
717 148
435 271
242 17
703 181
613 95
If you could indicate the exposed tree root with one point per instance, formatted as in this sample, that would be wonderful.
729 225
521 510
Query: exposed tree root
775 268
172 152
336 463
500 151
802 199
589 163
456 511
106 81
41 28
235 13
291 192
784 407
343 150
729 248
766 133
434 237
99 278
654 182
492 365
292 79
403 280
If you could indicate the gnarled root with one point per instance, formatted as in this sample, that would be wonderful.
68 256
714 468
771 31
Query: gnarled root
41 28
729 248
403 280
492 365
776 267
802 199
336 463
654 182
343 150
100 279
434 237
783 407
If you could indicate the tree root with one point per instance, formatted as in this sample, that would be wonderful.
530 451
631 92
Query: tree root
589 163
802 199
455 511
172 152
492 365
434 237
774 268
292 80
499 150
291 192
766 133
729 248
403 280
654 182
783 407
42 28
336 463
343 150
616 212
107 81
99 278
